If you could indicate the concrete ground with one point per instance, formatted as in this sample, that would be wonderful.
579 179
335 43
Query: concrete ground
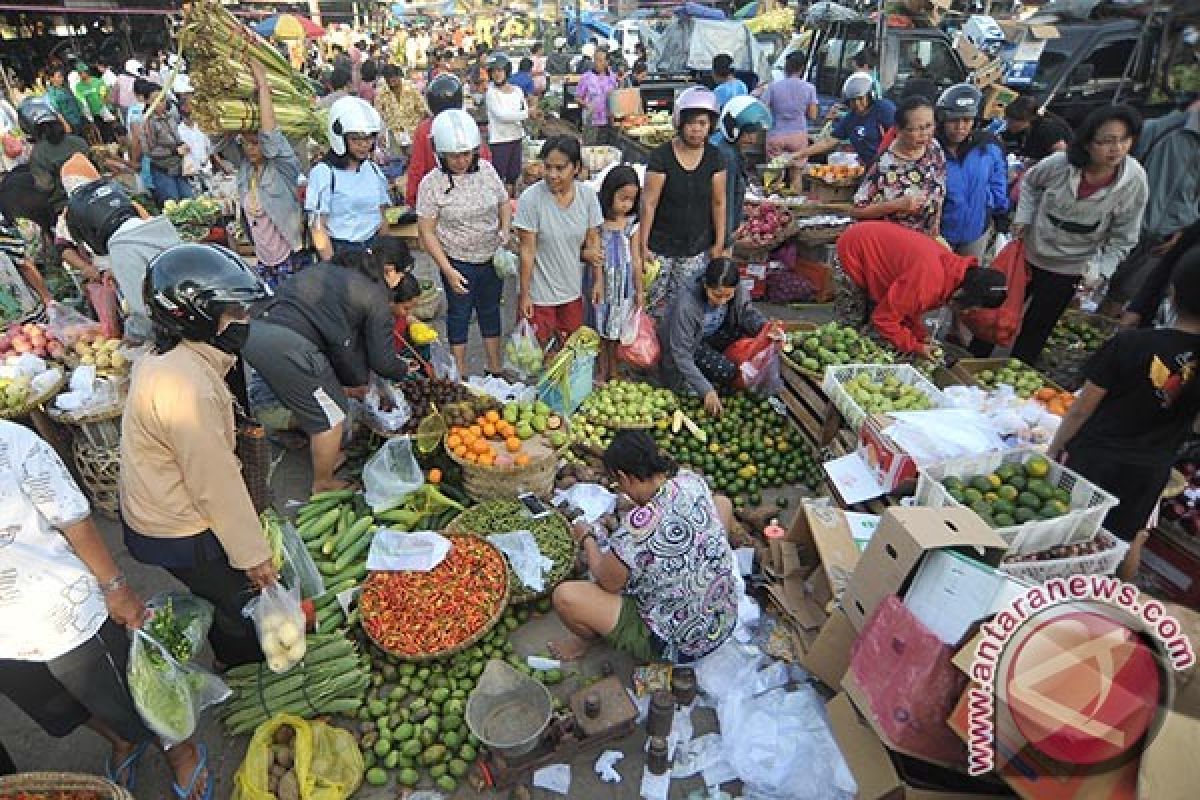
84 751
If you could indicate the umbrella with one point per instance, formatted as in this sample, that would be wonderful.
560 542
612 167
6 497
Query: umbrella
289 26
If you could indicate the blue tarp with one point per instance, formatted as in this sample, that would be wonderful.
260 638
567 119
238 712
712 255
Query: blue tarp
699 11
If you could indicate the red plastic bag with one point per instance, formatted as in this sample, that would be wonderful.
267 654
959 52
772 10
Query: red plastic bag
107 306
1000 325
757 359
643 351
910 683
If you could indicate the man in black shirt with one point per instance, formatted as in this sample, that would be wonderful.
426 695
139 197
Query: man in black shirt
1031 135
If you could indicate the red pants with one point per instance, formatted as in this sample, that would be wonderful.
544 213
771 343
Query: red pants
562 319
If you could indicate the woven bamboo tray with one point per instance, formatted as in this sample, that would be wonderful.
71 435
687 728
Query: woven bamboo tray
100 473
493 483
470 640
34 403
99 429
13 785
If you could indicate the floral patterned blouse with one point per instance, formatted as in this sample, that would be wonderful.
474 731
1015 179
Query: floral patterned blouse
892 177
680 568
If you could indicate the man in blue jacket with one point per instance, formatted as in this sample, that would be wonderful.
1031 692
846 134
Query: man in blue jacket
976 173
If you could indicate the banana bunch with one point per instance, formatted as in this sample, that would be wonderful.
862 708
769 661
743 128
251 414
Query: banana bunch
782 20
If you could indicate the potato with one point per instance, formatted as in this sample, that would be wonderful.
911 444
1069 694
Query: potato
289 787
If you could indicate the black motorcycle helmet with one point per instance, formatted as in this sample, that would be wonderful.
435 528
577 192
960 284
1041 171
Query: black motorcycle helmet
444 92
33 112
499 61
189 286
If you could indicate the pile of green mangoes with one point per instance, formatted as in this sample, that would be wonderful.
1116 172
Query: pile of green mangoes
1076 333
616 405
834 345
1022 378
1011 495
413 725
890 394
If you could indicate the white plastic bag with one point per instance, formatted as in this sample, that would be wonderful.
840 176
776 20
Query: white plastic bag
505 263
523 355
391 475
442 360
387 408
524 557
279 620
168 690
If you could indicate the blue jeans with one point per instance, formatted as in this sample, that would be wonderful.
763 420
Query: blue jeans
169 187
483 297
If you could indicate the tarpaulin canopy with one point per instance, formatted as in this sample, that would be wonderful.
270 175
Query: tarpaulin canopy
289 26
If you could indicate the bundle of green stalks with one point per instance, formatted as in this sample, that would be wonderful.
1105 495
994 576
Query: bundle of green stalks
218 50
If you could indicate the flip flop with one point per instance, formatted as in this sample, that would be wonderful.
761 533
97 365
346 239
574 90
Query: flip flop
201 767
128 767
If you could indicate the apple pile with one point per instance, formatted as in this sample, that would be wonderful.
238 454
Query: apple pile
30 338
763 225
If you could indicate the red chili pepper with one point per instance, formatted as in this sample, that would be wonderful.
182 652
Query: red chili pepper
423 613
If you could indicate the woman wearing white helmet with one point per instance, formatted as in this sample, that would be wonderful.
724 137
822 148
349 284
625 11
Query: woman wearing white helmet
347 192
683 205
463 217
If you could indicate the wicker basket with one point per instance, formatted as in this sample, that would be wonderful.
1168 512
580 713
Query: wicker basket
100 472
34 402
60 782
559 574
470 640
96 429
504 483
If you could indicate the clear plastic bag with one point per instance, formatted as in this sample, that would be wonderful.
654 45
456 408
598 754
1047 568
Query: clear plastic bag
279 620
442 361
506 264
391 475
299 569
523 355
168 689
388 409
67 324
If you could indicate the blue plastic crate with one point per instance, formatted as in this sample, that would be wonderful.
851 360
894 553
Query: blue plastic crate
578 387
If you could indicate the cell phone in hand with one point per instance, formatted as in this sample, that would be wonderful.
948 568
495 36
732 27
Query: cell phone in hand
533 505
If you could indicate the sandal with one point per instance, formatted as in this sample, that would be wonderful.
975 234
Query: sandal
201 768
128 768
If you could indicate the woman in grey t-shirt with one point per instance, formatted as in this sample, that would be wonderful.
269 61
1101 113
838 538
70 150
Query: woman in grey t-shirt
558 221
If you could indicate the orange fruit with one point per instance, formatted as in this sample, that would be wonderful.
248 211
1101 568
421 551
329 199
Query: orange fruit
477 430
489 430
492 416
1046 393
481 446
461 451
521 460
435 476
512 444
487 459
453 441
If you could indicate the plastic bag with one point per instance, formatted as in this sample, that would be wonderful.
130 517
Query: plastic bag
643 352
523 354
279 621
505 263
380 393
1000 325
298 568
168 690
391 475
524 557
67 324
442 361
757 359
326 761
106 304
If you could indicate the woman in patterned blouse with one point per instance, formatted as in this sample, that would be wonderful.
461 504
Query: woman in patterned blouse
907 183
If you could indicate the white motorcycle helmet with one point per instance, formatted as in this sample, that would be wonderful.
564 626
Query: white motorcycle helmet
454 131
351 115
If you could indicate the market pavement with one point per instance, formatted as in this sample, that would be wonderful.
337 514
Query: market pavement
84 751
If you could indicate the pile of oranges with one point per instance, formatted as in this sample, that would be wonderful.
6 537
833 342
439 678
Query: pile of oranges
1056 402
835 173
473 444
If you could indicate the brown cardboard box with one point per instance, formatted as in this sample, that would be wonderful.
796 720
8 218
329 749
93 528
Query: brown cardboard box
894 467
880 773
972 56
828 656
991 74
995 100
904 535
810 563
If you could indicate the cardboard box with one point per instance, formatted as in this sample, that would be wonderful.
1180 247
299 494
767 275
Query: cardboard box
1171 570
828 656
881 773
903 537
951 594
991 74
811 564
895 468
996 99
972 56
819 192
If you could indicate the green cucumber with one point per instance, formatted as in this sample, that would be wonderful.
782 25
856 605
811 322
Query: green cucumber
353 552
337 495
355 573
353 533
318 528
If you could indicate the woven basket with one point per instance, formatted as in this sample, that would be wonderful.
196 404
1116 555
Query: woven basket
34 402
61 782
470 640
556 576
504 483
254 453
98 429
100 472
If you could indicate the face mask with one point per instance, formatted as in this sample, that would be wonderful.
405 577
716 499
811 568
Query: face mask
233 338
